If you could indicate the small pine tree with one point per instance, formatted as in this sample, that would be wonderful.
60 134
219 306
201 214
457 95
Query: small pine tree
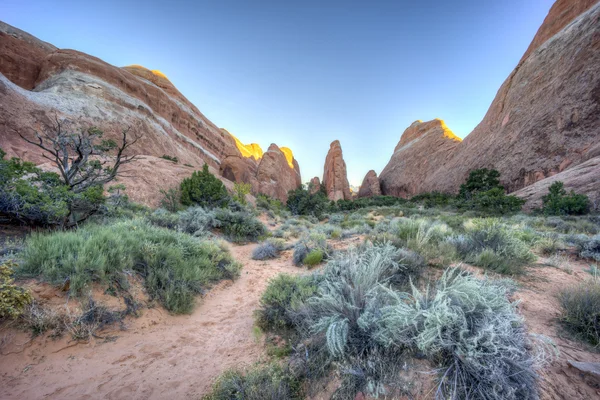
480 180
558 202
203 189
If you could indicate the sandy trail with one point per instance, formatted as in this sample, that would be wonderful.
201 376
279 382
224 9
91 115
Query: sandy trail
158 356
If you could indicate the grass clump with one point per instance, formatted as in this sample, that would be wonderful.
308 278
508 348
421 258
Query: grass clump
239 226
314 242
270 382
175 266
581 310
313 258
490 244
281 300
469 327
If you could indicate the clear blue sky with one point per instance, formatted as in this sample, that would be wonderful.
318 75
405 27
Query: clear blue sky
302 74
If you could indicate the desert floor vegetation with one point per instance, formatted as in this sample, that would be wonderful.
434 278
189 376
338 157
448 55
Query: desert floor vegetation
384 298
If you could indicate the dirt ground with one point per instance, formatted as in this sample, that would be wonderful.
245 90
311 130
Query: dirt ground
161 355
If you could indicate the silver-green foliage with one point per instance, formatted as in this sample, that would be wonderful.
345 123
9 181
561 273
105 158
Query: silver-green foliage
474 331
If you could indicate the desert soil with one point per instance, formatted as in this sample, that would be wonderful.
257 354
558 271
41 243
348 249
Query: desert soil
161 355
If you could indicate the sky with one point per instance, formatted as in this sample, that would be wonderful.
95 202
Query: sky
304 73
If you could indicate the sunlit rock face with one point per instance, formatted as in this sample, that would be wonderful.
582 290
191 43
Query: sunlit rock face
545 118
422 149
335 179
370 185
273 173
39 83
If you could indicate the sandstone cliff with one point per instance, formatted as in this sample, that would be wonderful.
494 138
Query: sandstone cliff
422 149
334 174
545 119
39 82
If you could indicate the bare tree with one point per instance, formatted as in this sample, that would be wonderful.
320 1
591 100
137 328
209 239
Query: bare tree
83 158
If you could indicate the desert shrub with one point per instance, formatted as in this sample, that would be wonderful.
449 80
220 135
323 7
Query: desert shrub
433 199
170 199
589 247
40 320
203 189
581 310
265 251
306 245
469 327
491 244
281 299
424 237
196 221
314 257
480 180
239 226
170 158
549 244
29 195
269 204
301 202
376 201
175 266
270 382
558 202
493 201
13 299
240 190
339 319
164 218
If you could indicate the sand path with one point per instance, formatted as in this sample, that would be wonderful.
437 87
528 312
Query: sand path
159 356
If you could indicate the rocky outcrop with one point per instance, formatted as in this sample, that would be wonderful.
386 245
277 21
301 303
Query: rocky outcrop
422 149
545 119
314 185
582 178
334 174
370 185
39 83
275 175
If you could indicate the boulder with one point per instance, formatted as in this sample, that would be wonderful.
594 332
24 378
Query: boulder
370 185
334 174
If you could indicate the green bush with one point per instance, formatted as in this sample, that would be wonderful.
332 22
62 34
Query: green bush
170 199
581 310
175 266
240 190
313 258
13 298
558 202
301 202
203 189
239 226
284 294
270 382
480 180
29 195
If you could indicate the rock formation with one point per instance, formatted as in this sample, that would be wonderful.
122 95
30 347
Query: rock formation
314 185
39 82
275 175
545 119
422 149
370 185
334 174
